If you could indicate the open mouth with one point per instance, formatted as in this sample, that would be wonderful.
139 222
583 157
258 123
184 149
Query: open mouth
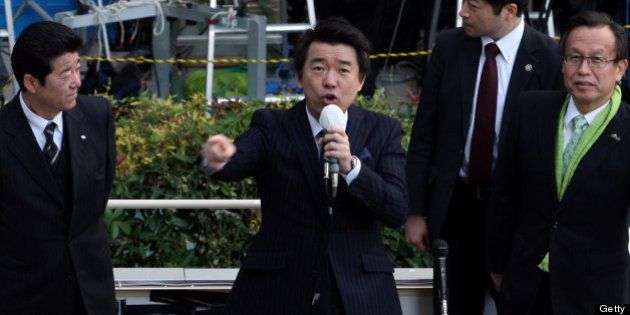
329 99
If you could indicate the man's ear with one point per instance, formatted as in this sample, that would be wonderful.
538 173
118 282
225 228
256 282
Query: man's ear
362 82
30 83
509 11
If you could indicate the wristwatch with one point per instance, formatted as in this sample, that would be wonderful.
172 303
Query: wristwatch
354 162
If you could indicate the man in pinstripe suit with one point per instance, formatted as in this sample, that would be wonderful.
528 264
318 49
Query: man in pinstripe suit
294 255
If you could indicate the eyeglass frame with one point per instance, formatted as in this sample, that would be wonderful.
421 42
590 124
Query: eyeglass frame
589 61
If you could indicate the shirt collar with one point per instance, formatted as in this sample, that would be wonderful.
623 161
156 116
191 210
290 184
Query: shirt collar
316 127
508 44
572 112
37 122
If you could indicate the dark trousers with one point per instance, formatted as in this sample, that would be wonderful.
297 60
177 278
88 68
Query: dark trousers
79 306
465 232
543 298
330 301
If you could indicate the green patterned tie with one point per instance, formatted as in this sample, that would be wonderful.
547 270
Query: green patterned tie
579 126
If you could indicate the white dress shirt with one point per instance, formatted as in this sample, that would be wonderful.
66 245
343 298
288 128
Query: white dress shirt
38 124
508 45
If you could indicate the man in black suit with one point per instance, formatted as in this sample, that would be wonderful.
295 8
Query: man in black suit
457 129
558 214
57 158
304 260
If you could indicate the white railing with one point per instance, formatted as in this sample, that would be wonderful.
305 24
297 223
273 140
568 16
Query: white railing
184 203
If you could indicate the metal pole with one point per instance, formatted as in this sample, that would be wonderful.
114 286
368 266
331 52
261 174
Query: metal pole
310 6
256 49
434 22
458 19
210 56
8 13
103 28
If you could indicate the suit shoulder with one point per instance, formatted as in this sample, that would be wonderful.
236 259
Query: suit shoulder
90 99
537 99
91 104
542 94
4 110
267 117
542 41
451 37
378 119
451 34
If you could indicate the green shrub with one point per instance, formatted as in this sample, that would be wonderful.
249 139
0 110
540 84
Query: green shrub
158 142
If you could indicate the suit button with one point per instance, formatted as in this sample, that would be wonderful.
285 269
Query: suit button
555 225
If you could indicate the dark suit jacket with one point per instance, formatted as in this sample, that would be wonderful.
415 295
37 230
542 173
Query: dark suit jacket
276 276
44 256
585 233
438 138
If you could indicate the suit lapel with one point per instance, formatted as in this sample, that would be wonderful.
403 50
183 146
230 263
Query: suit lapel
23 145
525 65
299 132
547 134
599 151
469 64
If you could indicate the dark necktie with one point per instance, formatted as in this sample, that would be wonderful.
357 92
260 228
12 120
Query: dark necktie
319 135
50 148
480 166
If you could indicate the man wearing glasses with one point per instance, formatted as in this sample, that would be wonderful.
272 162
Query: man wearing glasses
558 214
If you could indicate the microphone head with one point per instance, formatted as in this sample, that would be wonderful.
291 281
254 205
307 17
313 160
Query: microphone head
331 116
440 248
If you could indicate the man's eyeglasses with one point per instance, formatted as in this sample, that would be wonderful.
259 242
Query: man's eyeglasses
593 62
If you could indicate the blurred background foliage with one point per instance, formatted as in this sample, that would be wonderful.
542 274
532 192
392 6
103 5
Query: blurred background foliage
158 142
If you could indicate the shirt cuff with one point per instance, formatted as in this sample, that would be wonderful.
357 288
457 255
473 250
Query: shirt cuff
352 175
207 169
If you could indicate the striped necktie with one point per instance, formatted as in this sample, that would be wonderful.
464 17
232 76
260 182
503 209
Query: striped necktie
579 126
50 148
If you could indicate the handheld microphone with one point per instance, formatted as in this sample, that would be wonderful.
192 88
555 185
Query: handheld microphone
331 116
440 251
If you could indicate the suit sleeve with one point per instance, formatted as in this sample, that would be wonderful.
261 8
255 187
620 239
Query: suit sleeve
251 149
421 145
382 190
504 202
110 166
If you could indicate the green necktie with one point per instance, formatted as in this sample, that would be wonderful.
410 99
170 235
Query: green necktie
579 126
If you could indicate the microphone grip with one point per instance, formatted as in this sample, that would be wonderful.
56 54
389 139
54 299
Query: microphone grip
331 170
443 286
334 172
333 184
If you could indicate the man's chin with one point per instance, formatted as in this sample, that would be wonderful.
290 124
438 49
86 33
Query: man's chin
70 104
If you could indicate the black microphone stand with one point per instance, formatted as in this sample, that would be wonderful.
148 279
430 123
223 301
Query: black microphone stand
330 186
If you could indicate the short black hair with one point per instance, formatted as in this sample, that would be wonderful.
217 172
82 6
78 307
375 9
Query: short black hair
597 19
334 30
38 45
497 5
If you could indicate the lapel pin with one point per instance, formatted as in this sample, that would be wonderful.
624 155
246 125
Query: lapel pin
615 137
529 67
83 137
